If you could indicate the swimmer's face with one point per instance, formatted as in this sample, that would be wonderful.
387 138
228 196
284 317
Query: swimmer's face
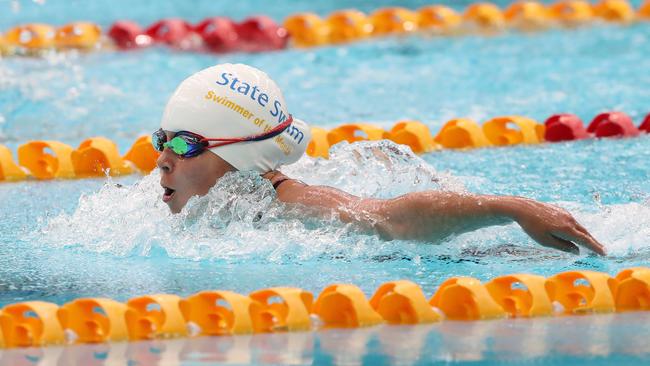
183 178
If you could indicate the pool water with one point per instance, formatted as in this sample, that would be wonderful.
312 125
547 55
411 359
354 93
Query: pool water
114 238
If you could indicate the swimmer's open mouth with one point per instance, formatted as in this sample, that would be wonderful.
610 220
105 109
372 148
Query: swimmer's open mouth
168 194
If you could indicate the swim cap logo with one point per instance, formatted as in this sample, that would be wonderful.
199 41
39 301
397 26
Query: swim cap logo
261 98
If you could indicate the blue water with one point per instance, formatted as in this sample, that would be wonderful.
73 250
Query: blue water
67 239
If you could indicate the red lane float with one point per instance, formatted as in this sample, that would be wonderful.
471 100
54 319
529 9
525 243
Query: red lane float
171 31
613 124
219 34
645 125
261 33
127 34
564 127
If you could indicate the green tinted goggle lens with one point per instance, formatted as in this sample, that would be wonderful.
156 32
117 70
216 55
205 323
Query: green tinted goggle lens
177 145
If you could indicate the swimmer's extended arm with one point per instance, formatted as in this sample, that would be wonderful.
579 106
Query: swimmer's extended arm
435 215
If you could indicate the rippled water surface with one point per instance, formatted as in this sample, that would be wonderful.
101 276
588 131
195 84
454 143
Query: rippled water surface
99 237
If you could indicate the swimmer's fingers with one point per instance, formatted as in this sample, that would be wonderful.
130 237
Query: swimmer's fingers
582 238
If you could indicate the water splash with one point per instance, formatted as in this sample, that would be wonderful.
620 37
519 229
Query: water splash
240 219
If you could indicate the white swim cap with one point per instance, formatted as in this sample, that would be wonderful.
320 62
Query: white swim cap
236 100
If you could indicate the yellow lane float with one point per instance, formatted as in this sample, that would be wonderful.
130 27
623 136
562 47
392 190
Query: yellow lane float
32 36
155 316
78 35
35 156
572 12
617 11
95 156
355 132
318 146
527 15
512 130
291 313
9 171
465 298
581 292
393 20
644 10
439 18
348 25
414 134
345 306
633 291
142 154
307 30
93 320
521 295
403 302
31 324
218 313
484 16
461 133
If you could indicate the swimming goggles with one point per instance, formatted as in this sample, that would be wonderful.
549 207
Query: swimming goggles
187 144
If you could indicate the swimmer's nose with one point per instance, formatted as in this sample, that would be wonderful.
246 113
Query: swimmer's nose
165 161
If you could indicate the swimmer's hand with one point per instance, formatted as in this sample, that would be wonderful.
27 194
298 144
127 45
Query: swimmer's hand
552 226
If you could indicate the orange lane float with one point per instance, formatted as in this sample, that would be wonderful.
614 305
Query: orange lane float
414 134
393 20
617 11
403 302
97 156
318 146
219 313
439 18
355 132
32 36
521 295
633 292
511 130
307 30
484 16
93 320
644 10
142 154
461 133
36 157
291 313
345 306
78 35
527 15
348 25
100 320
31 324
155 316
572 12
581 292
466 298
9 171
5 48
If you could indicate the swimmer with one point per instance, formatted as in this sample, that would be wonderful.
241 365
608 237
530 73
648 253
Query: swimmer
201 140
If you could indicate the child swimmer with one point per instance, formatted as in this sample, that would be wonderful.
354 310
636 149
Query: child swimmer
238 114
